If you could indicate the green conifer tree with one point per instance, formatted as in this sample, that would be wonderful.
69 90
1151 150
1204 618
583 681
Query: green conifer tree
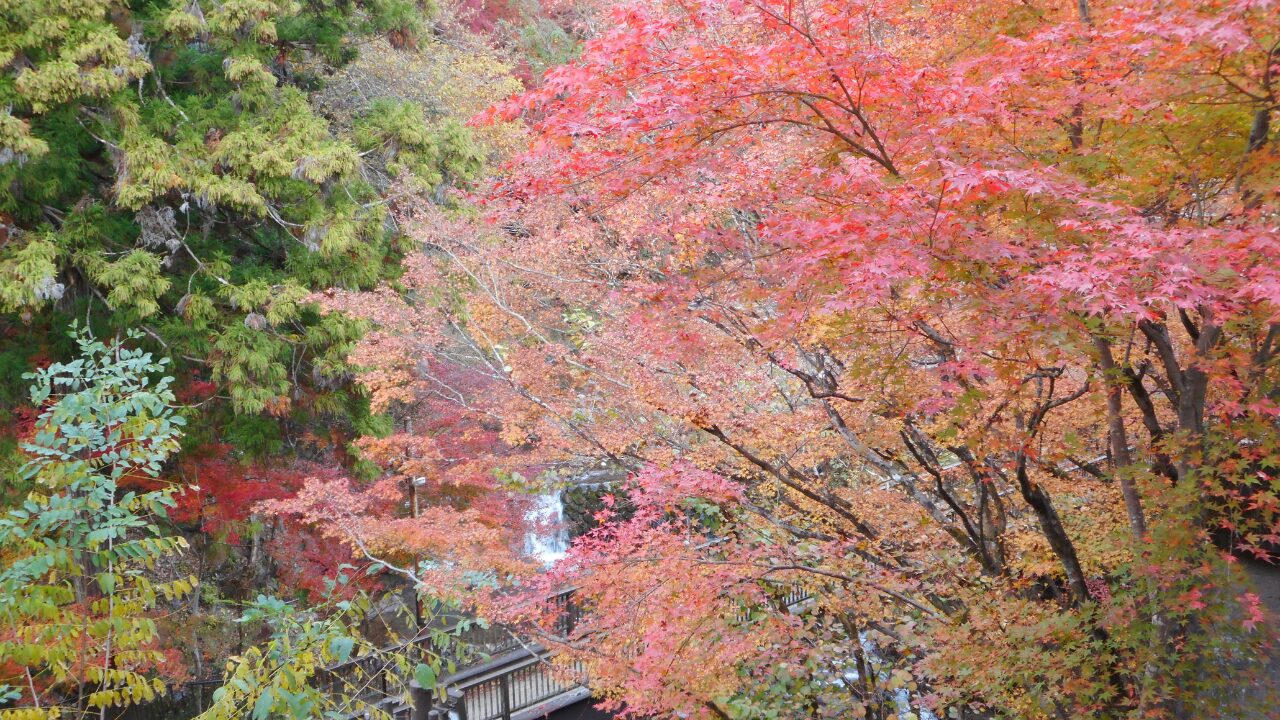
162 167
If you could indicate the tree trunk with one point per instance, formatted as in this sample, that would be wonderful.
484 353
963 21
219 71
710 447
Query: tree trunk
1118 438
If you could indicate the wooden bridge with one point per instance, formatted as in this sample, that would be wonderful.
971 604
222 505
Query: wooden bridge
517 681
521 685
514 680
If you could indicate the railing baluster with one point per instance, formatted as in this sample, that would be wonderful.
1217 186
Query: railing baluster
517 689
506 696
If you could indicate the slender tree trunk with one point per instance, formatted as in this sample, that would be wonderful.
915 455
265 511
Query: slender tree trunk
1054 532
1118 438
1075 124
1191 399
1259 131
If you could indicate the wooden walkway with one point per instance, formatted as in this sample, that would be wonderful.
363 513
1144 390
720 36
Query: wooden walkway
522 685
510 680
516 681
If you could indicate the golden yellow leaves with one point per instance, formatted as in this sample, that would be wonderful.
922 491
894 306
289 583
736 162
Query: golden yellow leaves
1093 514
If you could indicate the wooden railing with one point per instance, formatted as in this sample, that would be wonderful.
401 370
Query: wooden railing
380 680
515 680
521 684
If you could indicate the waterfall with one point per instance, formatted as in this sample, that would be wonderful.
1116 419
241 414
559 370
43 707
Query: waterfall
547 538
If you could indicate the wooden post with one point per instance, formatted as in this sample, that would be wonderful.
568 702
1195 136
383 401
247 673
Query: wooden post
423 701
504 681
455 704
427 706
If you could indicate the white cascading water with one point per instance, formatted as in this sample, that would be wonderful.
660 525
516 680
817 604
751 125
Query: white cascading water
901 696
547 538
